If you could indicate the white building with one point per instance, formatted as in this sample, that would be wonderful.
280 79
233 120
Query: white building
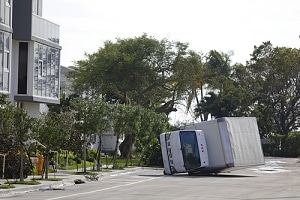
29 55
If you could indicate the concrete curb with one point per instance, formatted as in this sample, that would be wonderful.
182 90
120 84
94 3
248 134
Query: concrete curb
67 181
58 185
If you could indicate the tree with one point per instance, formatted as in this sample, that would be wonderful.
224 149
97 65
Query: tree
274 79
153 124
6 120
195 80
218 70
89 118
54 131
138 71
104 125
21 129
226 95
119 71
132 129
118 124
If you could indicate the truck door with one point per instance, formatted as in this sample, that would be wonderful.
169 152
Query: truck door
190 150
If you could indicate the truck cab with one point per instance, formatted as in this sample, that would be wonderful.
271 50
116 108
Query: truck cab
183 151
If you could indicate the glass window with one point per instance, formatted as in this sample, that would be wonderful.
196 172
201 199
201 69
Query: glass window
34 7
1 41
6 42
6 52
5 81
7 13
40 69
190 150
46 72
2 9
1 60
4 61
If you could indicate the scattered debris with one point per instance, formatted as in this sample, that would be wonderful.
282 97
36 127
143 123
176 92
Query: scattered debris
78 181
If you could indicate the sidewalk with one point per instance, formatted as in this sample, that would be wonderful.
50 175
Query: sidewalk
67 177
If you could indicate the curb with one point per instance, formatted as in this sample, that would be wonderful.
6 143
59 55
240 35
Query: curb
58 185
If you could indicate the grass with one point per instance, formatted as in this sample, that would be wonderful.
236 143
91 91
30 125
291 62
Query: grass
23 182
10 184
121 162
7 186
46 179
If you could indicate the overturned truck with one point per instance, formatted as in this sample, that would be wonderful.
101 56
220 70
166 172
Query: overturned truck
223 144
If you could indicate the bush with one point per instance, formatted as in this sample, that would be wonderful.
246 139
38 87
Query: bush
283 146
152 155
12 166
91 155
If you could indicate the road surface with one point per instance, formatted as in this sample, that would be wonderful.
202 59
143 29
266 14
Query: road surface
278 179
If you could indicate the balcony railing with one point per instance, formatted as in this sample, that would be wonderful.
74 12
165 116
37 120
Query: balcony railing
45 29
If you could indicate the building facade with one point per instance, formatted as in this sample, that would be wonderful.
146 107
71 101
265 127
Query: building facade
5 45
30 55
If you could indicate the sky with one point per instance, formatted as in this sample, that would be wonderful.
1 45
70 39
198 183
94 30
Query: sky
234 26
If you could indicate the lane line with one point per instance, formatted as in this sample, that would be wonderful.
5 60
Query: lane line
100 190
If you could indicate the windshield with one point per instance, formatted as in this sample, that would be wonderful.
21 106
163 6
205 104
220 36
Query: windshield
190 150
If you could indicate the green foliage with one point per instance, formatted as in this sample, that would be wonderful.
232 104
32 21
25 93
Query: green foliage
15 128
153 156
140 71
8 186
33 182
91 155
55 131
139 125
283 146
267 87
274 81
12 166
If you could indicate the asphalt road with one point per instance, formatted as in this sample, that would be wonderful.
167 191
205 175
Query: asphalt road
278 179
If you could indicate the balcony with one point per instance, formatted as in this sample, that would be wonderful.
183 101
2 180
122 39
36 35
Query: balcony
44 29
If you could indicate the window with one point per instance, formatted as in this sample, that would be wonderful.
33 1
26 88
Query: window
46 71
4 60
7 13
23 67
1 59
40 69
2 9
190 150
36 7
6 53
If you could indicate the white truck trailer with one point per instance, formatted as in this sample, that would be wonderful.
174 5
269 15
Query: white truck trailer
214 146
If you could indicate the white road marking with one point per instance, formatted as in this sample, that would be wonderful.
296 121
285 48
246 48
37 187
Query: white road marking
124 173
94 191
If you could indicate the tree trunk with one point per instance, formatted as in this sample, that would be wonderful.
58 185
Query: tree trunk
116 152
46 165
126 145
99 164
129 151
21 164
84 154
